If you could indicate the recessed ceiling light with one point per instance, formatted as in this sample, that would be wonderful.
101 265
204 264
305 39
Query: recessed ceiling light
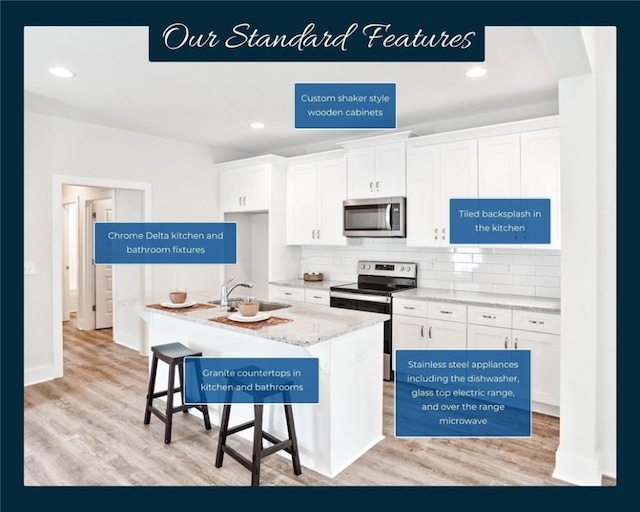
257 125
476 72
61 72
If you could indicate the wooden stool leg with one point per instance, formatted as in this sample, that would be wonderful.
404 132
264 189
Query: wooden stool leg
257 446
181 378
291 428
151 389
170 392
222 440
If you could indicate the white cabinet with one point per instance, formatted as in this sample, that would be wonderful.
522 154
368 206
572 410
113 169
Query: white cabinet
409 332
445 335
531 330
315 191
436 174
320 297
302 295
377 171
525 165
245 189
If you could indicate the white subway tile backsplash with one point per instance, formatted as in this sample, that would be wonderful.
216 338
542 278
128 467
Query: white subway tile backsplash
532 272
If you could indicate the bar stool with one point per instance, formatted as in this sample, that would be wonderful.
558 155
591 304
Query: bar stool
289 445
173 354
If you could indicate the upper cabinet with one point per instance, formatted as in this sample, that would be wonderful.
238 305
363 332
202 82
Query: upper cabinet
245 189
376 167
524 163
435 174
316 187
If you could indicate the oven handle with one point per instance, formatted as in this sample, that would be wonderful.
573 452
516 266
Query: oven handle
389 216
361 296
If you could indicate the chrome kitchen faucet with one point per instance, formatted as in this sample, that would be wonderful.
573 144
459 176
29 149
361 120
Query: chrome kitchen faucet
225 291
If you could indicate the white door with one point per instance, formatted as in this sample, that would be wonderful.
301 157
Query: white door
255 188
230 196
499 167
302 199
458 178
545 364
103 212
332 191
540 175
361 173
69 260
484 336
408 333
442 334
423 196
390 170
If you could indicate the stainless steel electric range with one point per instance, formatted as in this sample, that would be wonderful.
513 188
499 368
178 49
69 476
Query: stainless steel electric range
377 283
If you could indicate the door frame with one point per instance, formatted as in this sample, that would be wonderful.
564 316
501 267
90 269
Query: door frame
56 254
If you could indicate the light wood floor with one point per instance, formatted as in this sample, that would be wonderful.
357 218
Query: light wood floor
86 429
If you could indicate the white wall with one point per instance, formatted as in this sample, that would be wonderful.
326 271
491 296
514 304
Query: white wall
588 350
184 187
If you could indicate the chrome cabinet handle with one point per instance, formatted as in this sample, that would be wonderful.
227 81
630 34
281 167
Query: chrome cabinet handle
446 312
506 341
288 293
317 296
244 200
429 332
240 200
516 343
443 233
536 322
377 186
435 234
422 331
371 186
318 234
491 317
409 307
313 234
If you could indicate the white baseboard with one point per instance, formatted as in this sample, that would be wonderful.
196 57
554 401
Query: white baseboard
127 340
608 464
39 374
577 470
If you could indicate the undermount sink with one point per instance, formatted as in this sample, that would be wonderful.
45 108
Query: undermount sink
264 305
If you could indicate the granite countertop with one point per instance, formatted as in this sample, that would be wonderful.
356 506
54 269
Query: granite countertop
313 285
310 323
539 304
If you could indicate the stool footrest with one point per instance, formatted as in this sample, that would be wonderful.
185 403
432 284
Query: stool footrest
165 392
237 456
158 413
282 445
274 440
241 427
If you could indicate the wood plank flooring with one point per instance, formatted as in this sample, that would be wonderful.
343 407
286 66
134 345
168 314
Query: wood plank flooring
86 429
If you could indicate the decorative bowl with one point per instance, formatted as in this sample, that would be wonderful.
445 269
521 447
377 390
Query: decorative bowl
178 297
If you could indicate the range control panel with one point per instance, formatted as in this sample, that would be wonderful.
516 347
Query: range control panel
388 268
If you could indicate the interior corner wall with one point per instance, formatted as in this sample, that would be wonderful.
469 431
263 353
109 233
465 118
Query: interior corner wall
184 187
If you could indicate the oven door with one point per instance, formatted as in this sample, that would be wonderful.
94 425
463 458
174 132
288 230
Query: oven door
382 217
373 304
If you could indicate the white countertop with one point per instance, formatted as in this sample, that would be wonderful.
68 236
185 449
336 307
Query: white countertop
310 323
313 285
539 304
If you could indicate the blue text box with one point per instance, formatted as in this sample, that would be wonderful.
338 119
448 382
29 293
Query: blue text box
224 380
463 393
165 242
345 106
500 221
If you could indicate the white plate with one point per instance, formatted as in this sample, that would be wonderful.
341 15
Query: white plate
181 305
237 317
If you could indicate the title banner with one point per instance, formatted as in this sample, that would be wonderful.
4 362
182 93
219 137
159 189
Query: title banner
344 31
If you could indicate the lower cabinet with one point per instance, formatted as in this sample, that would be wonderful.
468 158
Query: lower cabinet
302 295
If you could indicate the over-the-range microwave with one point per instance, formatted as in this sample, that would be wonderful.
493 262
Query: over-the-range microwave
377 217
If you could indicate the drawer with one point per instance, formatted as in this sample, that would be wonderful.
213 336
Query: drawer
317 297
410 307
288 293
538 322
493 317
447 311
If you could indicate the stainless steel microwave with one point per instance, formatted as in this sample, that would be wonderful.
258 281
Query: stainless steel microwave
378 217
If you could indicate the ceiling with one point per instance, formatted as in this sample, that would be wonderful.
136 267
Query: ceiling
214 103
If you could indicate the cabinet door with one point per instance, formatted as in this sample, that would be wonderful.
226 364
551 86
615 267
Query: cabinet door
545 364
302 204
443 334
361 173
483 336
540 174
499 167
230 196
391 168
423 196
458 179
254 187
332 191
408 332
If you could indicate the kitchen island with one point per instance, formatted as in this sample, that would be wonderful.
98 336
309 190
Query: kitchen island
346 422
